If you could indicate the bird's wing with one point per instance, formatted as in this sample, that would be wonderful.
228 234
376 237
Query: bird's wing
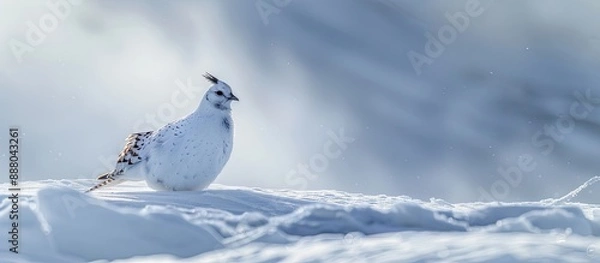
136 146
133 152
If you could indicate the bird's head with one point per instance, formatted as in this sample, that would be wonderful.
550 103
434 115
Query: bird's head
219 95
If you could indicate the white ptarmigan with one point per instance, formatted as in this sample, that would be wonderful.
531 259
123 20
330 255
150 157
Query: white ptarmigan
183 155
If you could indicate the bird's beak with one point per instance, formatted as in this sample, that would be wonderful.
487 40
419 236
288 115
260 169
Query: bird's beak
233 97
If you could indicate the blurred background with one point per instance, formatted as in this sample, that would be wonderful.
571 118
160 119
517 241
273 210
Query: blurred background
459 100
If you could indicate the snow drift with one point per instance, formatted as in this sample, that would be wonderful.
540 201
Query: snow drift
58 223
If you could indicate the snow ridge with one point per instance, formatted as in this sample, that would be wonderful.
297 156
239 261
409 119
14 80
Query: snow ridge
58 223
575 192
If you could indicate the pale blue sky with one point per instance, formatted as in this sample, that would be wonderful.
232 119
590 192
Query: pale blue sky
110 68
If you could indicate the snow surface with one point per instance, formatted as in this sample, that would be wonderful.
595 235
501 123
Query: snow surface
131 223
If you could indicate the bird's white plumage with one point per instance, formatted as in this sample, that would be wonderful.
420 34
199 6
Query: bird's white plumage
186 154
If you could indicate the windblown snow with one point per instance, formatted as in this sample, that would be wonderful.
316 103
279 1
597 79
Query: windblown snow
130 223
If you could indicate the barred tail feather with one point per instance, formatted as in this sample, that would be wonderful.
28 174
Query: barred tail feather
107 182
104 176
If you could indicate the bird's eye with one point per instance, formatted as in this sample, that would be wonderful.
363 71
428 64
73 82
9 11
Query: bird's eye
220 93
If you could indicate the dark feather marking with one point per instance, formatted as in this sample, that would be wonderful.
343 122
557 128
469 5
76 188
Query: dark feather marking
226 124
211 78
105 182
133 143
